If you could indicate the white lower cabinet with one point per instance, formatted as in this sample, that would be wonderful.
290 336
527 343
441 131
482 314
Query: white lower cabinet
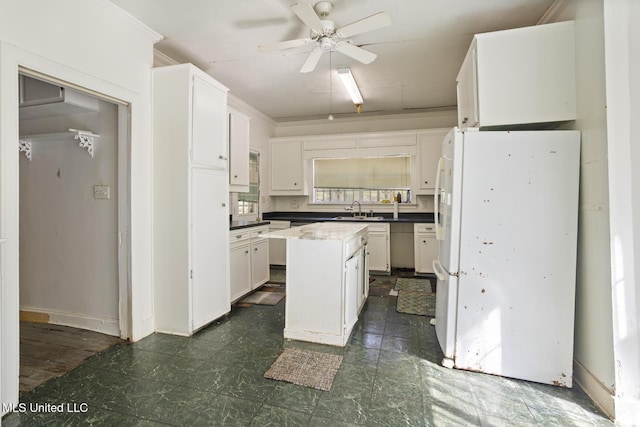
278 247
259 258
240 268
425 247
249 258
379 252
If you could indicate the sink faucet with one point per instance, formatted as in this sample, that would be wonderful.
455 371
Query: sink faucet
350 208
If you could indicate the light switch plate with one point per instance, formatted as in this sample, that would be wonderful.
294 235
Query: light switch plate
101 192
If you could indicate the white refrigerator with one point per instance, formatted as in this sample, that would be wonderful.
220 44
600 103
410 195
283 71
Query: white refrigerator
507 214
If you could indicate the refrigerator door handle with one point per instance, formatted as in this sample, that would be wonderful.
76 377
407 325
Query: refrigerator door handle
438 270
436 200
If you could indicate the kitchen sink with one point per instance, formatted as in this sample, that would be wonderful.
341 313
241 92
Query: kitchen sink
359 218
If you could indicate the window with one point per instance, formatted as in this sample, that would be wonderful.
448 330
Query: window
248 202
367 180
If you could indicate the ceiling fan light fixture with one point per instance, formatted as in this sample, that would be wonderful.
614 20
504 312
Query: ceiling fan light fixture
350 84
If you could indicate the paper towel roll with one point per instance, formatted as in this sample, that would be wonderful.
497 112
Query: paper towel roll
395 210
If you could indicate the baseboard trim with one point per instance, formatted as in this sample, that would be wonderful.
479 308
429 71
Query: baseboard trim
75 320
599 394
33 316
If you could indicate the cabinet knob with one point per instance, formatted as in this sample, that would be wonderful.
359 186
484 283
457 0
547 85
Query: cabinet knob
426 182
424 241
295 183
246 252
224 204
465 120
221 157
235 176
255 249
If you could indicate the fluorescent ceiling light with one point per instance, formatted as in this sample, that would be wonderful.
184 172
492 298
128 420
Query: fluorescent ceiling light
350 85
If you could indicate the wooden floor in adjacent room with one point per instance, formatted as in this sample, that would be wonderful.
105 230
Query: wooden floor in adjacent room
48 351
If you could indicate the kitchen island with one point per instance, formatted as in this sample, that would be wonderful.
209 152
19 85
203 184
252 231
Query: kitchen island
327 280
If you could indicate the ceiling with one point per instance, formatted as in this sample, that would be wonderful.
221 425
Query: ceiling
419 54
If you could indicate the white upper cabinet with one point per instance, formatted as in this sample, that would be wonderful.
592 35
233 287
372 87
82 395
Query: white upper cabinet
209 123
468 91
239 128
429 152
288 173
521 76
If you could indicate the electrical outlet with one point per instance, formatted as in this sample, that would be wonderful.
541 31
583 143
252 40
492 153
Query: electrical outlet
101 192
293 204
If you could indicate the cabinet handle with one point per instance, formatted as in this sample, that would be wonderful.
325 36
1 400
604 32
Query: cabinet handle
239 236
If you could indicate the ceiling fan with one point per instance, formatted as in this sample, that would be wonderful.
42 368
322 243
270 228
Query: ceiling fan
327 37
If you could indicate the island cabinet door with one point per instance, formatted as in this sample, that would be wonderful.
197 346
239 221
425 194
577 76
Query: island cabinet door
363 277
352 283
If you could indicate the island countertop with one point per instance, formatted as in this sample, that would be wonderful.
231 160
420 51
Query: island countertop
319 231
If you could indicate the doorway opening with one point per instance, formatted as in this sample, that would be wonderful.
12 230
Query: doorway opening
73 205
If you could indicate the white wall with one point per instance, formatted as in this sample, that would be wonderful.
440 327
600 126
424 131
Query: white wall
94 45
593 351
622 59
68 239
607 340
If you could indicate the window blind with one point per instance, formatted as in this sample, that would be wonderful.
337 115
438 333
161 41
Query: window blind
362 173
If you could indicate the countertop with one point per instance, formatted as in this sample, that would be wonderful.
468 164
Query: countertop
320 231
423 217
235 225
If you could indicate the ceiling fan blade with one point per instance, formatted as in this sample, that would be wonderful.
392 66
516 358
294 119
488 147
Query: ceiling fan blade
307 15
357 53
283 45
312 60
373 22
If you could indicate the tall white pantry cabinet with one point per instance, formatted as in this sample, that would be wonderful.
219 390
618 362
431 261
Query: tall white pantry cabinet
190 199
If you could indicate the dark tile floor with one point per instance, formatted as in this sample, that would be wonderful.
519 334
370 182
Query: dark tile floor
390 376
